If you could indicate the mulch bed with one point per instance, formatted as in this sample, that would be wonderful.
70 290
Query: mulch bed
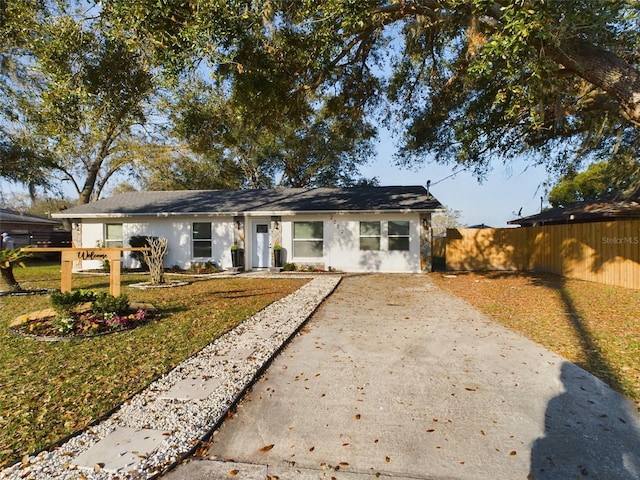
45 326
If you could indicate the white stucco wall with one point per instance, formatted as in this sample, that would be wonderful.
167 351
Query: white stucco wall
342 244
176 230
341 241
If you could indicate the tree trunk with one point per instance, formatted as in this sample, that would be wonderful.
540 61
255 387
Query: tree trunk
604 70
8 279
155 259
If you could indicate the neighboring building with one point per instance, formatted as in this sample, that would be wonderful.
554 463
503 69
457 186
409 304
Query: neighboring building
360 229
605 209
33 230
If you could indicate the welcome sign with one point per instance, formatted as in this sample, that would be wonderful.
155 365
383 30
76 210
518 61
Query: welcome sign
70 255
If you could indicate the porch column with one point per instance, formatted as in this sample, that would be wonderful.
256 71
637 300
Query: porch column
276 236
426 237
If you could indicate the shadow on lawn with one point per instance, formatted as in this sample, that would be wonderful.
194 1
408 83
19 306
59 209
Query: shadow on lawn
590 430
593 359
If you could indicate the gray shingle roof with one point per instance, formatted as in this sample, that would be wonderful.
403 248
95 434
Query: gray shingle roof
600 210
11 216
232 202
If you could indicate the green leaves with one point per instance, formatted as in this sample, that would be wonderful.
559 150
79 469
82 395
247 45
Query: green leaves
64 302
599 179
74 106
466 81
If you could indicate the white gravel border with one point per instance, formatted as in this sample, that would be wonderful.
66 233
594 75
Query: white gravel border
186 422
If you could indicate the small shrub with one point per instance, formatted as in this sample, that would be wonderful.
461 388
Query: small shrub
210 266
289 267
108 304
64 302
207 267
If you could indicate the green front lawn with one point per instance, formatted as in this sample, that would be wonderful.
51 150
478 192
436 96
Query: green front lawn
52 389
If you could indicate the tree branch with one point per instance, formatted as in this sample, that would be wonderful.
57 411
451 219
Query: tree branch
603 69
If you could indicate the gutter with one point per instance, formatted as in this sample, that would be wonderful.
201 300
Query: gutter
238 214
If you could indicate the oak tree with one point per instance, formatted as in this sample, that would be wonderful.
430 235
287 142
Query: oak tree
78 111
468 81
600 179
263 148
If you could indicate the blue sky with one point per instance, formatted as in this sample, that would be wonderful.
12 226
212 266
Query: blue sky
493 202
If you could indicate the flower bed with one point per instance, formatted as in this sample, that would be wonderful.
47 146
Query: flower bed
82 314
46 326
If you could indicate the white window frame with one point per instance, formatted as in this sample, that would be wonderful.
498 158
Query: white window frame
368 236
208 240
297 242
399 236
111 240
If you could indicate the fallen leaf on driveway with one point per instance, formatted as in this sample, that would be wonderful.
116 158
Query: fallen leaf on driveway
266 448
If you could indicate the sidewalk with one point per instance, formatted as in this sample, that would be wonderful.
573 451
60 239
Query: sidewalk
395 378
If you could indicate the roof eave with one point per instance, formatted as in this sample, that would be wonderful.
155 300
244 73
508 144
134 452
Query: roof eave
146 215
241 214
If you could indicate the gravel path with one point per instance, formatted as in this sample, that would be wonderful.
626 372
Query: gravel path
166 421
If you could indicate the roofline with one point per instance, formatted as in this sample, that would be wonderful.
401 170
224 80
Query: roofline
239 214
32 222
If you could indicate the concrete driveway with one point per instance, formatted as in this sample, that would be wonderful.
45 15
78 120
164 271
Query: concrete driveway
395 378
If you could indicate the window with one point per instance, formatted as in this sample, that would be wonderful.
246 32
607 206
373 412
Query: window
113 235
201 233
398 235
369 235
308 239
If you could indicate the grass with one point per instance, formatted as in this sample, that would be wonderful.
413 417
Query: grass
593 325
52 389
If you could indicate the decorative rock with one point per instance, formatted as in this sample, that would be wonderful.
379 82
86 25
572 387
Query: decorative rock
177 425
28 317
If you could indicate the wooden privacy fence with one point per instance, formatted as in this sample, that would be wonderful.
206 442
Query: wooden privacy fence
604 252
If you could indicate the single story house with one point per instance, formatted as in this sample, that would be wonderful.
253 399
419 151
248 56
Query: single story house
604 209
359 229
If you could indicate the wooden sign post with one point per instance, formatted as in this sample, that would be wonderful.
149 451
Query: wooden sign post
70 255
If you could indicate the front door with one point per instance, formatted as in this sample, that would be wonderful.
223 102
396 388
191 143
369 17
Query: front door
261 257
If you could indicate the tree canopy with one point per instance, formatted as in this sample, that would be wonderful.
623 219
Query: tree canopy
598 180
468 81
85 95
79 102
264 148
465 81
